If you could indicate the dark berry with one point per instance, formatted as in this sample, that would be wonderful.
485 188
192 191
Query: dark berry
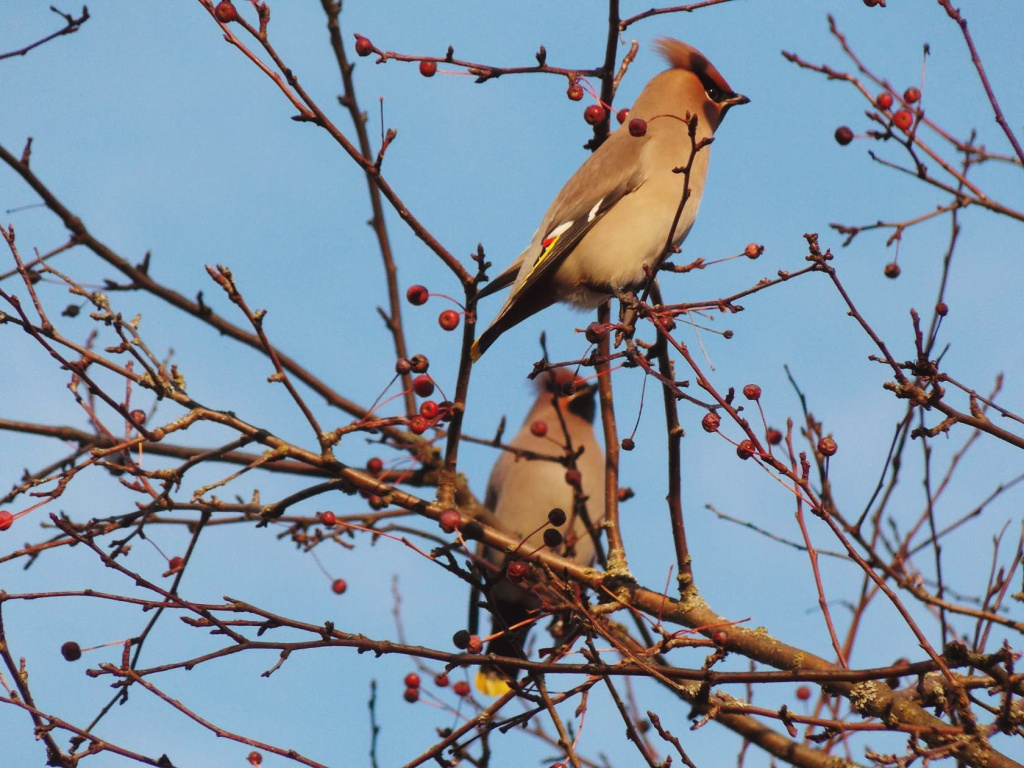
637 127
71 651
745 449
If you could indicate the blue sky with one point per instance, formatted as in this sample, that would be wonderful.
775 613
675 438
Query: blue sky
163 138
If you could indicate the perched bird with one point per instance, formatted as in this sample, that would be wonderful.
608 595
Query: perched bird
522 492
613 217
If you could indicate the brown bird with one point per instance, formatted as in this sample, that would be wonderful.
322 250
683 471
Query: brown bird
522 492
612 218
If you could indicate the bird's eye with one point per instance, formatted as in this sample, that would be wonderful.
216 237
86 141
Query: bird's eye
714 92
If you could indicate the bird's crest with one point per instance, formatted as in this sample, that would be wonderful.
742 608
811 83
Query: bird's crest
683 56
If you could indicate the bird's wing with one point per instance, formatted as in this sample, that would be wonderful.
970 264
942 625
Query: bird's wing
504 280
565 235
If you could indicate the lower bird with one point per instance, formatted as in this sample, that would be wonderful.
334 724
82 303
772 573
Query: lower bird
612 220
523 491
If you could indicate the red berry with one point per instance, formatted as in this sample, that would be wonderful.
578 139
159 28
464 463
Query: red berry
628 444
328 518
903 119
402 366
844 135
412 680
892 270
441 680
417 295
556 516
637 127
176 563
625 494
745 449
138 416
429 409
338 586
575 92
412 695
940 309
376 502
375 466
71 651
225 12
753 250
594 114
428 68
711 422
461 640
621 115
803 692
752 392
517 570
475 645
596 332
912 95
883 100
720 637
573 477
827 446
423 386
539 428
6 519
363 46
449 320
450 520
774 436
418 425
461 688
419 363
255 758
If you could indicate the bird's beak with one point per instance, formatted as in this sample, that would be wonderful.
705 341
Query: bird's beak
735 100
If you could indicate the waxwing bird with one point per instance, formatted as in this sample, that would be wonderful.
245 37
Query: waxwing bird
521 493
612 218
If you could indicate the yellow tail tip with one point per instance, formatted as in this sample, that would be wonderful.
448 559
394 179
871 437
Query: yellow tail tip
475 351
491 683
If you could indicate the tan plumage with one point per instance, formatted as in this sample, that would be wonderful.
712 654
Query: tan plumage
614 215
521 492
